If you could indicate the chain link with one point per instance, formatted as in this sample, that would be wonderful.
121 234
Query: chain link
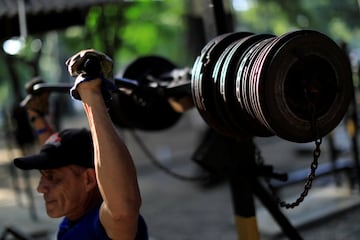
308 184
311 176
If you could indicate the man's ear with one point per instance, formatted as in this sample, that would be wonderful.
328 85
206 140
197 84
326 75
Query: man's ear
90 179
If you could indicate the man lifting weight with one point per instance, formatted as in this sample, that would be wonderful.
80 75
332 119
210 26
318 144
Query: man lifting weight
87 176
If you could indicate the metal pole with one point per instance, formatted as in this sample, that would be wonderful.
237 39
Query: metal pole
242 174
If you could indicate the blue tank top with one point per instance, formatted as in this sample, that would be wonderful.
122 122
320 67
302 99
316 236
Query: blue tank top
89 227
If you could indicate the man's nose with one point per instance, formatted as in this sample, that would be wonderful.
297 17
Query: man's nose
42 186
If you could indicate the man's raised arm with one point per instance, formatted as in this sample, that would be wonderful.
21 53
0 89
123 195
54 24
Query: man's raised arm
116 174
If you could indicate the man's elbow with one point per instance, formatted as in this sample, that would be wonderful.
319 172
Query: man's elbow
131 209
121 222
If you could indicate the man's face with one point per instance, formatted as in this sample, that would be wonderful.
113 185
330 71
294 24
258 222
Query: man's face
64 191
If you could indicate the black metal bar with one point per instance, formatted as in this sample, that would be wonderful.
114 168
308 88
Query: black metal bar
271 205
334 154
241 176
353 135
244 183
173 89
221 18
294 177
215 19
14 232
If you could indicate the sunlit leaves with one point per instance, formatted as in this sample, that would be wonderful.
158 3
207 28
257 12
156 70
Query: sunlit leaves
266 17
339 19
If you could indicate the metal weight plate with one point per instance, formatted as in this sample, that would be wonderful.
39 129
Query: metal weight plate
144 108
202 84
255 96
237 90
227 86
197 71
306 70
248 90
253 87
219 103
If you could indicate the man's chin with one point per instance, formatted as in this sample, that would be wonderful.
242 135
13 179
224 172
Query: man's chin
53 214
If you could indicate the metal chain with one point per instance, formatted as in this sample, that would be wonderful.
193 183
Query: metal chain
308 184
157 163
313 167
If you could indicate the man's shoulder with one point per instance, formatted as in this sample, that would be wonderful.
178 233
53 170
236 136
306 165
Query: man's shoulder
88 227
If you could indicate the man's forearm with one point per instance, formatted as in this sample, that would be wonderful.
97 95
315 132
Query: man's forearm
113 163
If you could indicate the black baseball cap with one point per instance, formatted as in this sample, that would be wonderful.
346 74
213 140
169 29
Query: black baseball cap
63 148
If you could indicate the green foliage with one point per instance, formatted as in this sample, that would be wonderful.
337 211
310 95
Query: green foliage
5 94
338 19
129 30
260 19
